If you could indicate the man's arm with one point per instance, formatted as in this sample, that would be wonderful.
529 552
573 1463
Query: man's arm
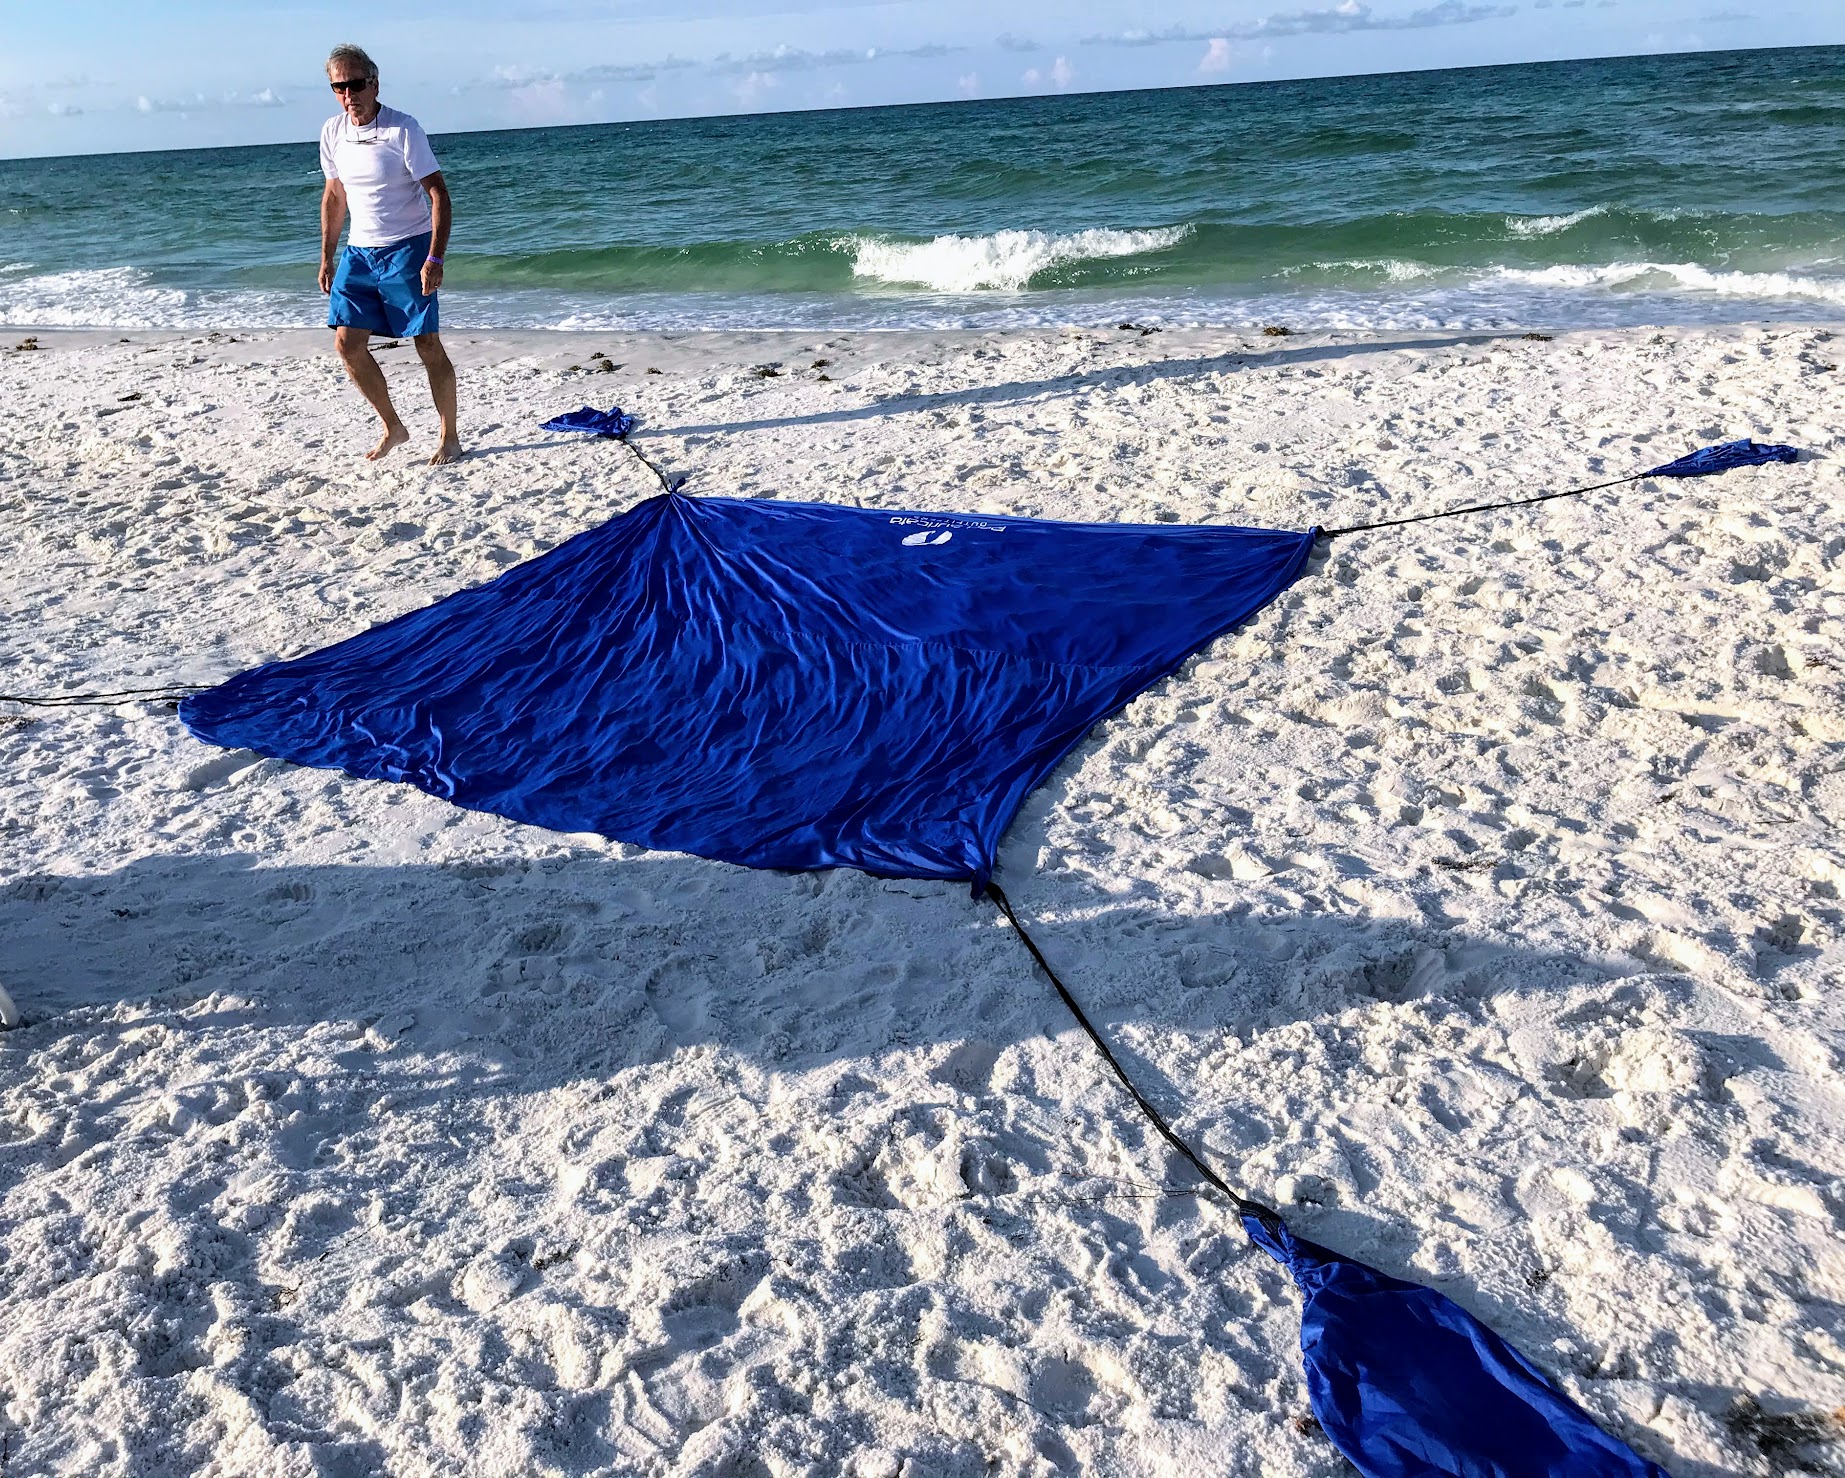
332 217
441 213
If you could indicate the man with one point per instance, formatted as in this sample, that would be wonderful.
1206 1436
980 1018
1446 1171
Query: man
379 166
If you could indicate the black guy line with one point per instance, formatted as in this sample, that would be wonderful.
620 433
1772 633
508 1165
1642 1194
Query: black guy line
1244 1206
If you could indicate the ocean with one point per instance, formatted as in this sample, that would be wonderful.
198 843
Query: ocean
1696 188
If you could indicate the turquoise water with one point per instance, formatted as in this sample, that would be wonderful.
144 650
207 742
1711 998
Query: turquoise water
1695 188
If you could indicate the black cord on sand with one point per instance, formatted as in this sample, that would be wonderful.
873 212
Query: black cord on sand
1244 1206
670 485
171 693
1391 523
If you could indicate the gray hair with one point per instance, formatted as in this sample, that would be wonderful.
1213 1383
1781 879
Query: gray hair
355 56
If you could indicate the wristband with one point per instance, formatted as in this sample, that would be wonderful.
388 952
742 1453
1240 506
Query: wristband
433 258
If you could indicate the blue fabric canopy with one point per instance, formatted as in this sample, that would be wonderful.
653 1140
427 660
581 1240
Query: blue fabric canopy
778 684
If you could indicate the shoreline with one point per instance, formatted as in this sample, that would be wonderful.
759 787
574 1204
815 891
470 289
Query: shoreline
1479 900
566 341
644 363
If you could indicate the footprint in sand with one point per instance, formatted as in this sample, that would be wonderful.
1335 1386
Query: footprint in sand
217 771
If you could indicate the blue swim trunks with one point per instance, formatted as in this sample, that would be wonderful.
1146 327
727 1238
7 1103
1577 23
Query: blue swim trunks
381 288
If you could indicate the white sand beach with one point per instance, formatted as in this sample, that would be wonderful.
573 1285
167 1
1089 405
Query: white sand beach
1479 902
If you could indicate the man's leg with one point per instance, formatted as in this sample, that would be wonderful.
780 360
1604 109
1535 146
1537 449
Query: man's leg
441 370
355 353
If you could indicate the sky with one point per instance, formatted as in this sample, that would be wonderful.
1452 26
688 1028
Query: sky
101 76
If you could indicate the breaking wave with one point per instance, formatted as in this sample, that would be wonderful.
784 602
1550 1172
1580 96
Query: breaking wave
127 297
1530 226
1684 276
1387 269
1005 261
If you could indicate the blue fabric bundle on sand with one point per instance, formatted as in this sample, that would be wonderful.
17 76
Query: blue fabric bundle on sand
1722 458
614 422
1408 1384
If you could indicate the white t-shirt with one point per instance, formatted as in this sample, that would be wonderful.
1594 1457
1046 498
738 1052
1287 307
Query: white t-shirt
380 163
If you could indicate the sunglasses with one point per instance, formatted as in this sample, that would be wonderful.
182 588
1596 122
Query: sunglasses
353 84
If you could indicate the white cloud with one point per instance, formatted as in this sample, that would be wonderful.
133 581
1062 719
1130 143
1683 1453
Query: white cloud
969 84
794 59
548 101
1348 15
517 76
198 102
753 87
754 73
63 110
1031 77
631 71
1062 73
1216 56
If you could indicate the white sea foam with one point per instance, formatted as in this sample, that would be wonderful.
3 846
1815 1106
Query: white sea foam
1551 225
127 297
1392 269
115 297
1381 294
1685 276
1005 261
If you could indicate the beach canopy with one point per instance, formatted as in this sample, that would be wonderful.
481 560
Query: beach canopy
801 685
778 684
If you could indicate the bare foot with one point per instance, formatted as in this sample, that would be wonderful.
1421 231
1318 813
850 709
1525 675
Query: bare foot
394 436
449 451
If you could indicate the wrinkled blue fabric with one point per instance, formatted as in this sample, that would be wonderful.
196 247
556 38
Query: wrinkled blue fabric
1708 459
1408 1384
777 684
614 422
